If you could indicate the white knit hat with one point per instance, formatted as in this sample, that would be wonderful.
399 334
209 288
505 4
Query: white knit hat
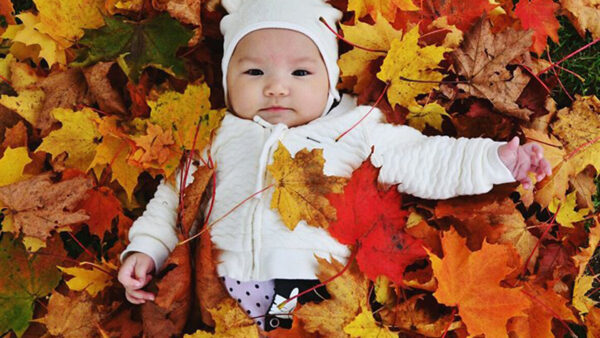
302 16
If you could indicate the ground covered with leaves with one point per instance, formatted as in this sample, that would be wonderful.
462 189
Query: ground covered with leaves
100 99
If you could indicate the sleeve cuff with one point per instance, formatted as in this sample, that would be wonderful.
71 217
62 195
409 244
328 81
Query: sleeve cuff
149 246
499 172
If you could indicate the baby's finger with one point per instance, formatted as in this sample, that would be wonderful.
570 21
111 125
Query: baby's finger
140 294
545 166
538 150
526 182
124 276
134 300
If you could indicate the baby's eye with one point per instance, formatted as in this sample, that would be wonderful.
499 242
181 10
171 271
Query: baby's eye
301 72
254 72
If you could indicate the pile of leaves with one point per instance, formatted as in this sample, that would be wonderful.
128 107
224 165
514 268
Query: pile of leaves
101 99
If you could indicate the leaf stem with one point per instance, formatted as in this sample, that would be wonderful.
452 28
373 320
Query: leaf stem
450 323
569 56
537 244
580 148
548 308
81 245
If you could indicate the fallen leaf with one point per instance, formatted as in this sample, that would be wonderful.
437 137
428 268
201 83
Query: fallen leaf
482 60
16 136
539 16
71 316
374 8
92 281
584 15
567 215
103 207
471 281
231 322
583 285
301 186
108 98
364 325
12 164
430 114
185 11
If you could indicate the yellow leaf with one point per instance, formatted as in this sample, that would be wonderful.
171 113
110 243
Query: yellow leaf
364 325
567 215
28 103
25 36
5 64
33 244
181 113
93 281
301 186
78 136
454 37
231 322
64 20
516 233
386 7
407 61
12 164
583 284
578 126
431 114
23 76
356 62
382 289
114 151
585 254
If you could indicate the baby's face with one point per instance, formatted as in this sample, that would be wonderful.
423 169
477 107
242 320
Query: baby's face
277 74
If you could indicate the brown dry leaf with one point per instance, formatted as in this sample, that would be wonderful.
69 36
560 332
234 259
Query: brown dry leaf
109 100
185 11
73 315
582 258
301 186
483 58
584 15
193 196
585 187
122 325
232 322
167 315
420 314
348 293
417 227
63 89
40 206
15 136
516 233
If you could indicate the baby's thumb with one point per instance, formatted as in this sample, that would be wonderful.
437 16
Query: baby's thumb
141 270
514 143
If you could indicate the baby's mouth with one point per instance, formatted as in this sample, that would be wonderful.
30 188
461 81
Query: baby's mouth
275 109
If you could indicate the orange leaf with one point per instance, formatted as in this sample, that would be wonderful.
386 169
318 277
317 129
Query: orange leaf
539 16
102 206
471 281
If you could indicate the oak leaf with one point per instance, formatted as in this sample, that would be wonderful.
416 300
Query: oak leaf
231 322
407 61
53 204
151 42
184 114
78 136
387 8
364 325
471 281
584 15
348 296
92 281
301 186
539 16
25 277
483 58
355 63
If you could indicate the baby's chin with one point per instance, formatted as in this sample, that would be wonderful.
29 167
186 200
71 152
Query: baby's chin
288 118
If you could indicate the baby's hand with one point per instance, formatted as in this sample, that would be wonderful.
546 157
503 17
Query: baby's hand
521 160
134 274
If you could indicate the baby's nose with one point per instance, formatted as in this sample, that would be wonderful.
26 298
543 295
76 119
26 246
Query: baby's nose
276 88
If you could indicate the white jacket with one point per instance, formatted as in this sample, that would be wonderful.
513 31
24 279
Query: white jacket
254 243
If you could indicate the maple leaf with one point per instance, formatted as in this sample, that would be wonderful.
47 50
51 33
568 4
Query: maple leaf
12 164
471 281
567 215
463 14
348 295
582 258
155 150
483 58
193 197
373 220
387 8
108 98
355 63
152 42
28 42
581 301
78 136
577 126
545 305
57 19
301 186
584 15
539 16
407 61
15 136
430 114
113 151
364 325
53 206
185 11
103 207
592 322
92 281
183 114
28 103
73 315
231 322
25 277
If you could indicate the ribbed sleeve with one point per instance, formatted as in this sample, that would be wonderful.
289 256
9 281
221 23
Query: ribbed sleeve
436 167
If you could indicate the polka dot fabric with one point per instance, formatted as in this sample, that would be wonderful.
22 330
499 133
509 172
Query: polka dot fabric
255 297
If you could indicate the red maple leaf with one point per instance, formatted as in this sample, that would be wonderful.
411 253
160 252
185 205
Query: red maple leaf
372 219
539 16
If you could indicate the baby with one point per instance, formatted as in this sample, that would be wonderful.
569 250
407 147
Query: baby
280 76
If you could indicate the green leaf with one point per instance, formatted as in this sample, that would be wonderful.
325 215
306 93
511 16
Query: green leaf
151 42
23 279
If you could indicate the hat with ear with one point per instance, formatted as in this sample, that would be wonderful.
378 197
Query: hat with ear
302 16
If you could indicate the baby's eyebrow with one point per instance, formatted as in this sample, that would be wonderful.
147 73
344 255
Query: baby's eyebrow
295 60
